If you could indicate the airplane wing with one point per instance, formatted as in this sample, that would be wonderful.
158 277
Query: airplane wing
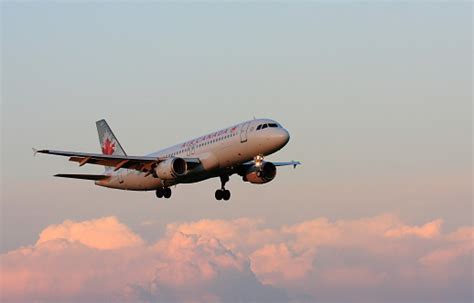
141 163
294 163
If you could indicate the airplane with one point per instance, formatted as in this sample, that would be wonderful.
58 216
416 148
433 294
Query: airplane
238 149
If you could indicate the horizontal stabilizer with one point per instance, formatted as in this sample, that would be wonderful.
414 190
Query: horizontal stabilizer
83 177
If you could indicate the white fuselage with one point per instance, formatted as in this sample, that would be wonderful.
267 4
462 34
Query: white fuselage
218 151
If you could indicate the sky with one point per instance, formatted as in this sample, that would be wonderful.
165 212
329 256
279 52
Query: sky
377 98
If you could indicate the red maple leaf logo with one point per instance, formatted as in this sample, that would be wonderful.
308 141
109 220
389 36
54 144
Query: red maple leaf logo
108 147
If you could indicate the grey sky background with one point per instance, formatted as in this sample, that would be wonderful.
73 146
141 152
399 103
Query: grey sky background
377 98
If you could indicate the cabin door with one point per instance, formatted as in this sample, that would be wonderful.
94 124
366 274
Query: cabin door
243 132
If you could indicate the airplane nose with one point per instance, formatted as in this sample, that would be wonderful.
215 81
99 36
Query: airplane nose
286 136
282 137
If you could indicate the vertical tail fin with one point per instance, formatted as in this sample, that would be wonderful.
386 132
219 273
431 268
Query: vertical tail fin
108 142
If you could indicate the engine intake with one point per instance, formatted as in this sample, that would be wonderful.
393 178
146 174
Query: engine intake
264 173
171 168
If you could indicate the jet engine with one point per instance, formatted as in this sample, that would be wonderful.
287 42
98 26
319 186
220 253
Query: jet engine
171 168
263 173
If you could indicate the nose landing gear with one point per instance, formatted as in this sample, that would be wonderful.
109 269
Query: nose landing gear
163 192
222 193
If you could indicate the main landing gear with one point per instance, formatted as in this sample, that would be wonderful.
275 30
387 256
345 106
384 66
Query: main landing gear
222 193
163 192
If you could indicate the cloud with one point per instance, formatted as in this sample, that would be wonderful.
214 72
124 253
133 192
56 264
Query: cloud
103 233
242 260
74 261
102 260
247 234
429 230
194 268
373 257
275 263
459 243
352 276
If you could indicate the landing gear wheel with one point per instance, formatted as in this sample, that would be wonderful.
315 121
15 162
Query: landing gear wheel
223 194
167 193
159 193
226 195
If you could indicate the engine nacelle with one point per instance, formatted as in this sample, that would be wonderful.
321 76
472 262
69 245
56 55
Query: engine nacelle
171 168
265 173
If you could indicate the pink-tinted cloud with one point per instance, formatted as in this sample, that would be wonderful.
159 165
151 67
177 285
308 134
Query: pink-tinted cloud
242 260
102 260
458 244
104 233
74 261
323 258
244 233
275 263
429 230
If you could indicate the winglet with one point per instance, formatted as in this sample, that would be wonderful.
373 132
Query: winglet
35 151
296 163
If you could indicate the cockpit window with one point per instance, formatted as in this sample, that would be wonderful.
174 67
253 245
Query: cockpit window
262 126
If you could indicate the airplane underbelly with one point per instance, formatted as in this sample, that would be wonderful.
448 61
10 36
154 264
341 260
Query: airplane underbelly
140 182
132 181
228 156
